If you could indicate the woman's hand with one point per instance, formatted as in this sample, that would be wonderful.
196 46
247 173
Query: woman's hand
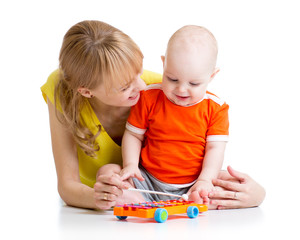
237 190
108 186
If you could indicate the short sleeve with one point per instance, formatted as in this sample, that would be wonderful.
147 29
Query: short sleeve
218 129
48 88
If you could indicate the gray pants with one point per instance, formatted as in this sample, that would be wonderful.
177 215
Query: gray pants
153 184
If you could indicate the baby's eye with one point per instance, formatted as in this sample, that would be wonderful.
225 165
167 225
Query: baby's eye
172 80
194 84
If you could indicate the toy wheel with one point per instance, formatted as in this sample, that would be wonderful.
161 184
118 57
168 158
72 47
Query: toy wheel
121 217
161 215
192 211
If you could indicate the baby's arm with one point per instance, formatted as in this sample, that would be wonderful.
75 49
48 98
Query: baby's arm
213 160
131 149
212 163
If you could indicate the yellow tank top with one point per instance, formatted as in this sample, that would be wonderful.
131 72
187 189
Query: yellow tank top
109 152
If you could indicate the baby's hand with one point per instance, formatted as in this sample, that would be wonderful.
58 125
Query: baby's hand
200 190
131 171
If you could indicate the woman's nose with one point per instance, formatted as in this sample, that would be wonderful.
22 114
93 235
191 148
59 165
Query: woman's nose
139 84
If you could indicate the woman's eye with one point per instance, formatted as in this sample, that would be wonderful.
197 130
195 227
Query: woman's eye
124 89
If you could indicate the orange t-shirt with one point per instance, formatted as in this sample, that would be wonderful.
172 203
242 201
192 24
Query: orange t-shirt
175 136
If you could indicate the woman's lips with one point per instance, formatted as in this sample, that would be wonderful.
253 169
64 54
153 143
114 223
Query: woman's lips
134 97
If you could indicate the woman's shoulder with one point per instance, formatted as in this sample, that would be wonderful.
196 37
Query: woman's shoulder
48 88
151 77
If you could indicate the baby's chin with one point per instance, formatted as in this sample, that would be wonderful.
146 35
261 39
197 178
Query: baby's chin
181 103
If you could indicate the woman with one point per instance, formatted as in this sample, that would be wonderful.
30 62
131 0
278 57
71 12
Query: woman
89 99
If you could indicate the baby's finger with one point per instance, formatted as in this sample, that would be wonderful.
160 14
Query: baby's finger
139 176
203 193
194 196
189 192
125 176
205 200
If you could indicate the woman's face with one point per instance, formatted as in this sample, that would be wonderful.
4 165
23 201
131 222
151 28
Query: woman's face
121 96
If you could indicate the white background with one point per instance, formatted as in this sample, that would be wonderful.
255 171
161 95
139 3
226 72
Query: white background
259 49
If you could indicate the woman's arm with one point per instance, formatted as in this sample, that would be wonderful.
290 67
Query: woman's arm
72 191
236 190
70 188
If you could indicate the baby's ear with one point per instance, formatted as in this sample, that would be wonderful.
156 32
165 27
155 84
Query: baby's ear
214 73
163 59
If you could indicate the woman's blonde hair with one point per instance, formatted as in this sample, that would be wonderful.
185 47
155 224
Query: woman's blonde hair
92 53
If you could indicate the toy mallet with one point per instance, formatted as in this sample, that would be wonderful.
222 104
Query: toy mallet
184 196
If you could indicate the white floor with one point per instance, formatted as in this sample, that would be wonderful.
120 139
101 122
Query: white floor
54 220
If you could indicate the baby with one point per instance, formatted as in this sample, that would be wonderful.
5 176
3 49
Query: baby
176 134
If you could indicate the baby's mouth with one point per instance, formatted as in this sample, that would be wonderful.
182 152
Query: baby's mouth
182 97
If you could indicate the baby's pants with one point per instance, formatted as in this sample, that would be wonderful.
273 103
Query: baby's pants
153 184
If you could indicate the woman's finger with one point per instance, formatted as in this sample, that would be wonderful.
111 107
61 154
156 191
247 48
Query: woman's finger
220 207
105 188
104 196
114 180
225 204
224 175
102 204
236 174
224 195
228 185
